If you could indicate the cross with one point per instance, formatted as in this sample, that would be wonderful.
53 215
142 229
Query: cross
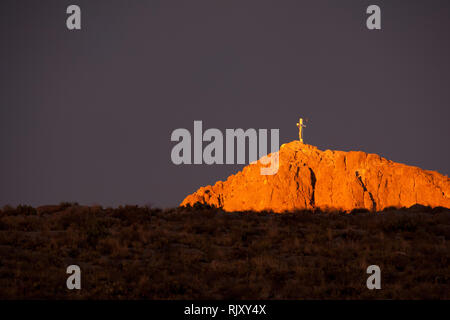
300 126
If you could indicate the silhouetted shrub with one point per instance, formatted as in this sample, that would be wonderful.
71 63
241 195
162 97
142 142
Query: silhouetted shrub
359 210
419 208
203 206
26 210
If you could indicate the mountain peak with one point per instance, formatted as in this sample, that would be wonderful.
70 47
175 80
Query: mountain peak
309 178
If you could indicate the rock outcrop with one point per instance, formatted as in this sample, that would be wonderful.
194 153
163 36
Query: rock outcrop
309 178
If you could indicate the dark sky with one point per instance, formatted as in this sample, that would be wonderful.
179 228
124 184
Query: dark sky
86 116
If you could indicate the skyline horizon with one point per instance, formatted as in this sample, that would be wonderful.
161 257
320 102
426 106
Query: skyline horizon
150 204
86 115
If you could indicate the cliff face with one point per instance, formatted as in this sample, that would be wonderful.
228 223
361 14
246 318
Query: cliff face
309 178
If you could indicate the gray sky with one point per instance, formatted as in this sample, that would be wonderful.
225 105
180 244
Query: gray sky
86 116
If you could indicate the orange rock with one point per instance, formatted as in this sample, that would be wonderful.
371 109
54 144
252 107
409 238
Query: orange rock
309 178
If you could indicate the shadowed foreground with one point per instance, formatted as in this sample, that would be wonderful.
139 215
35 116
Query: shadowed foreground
205 253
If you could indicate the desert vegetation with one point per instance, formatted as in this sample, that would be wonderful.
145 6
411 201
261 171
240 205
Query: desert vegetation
202 252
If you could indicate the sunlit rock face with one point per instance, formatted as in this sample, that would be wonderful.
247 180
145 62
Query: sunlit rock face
309 178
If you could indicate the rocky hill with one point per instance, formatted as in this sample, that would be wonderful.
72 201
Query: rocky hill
309 178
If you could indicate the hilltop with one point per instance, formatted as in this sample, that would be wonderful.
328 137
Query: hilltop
309 178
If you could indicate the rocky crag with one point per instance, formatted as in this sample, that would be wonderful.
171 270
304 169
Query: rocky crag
309 178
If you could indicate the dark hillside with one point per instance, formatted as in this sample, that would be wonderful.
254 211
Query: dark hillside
204 253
